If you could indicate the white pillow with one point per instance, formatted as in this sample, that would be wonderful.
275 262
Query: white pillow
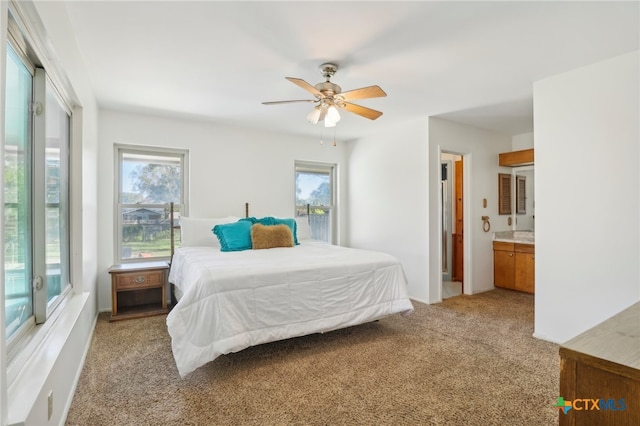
198 232
303 230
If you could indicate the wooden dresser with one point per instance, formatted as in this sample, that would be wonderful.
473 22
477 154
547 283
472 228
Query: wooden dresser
603 364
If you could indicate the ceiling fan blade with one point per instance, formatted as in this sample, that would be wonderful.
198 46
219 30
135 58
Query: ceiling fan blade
306 86
363 93
365 112
288 102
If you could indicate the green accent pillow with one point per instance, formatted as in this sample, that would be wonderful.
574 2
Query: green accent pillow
234 236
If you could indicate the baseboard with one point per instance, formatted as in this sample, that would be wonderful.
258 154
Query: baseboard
545 338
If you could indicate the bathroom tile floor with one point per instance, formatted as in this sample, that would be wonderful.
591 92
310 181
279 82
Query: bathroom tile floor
451 289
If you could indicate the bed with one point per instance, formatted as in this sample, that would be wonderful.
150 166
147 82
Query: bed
231 300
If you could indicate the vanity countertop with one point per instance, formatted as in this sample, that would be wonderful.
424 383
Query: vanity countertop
520 237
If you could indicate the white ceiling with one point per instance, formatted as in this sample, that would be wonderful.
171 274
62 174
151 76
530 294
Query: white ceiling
473 62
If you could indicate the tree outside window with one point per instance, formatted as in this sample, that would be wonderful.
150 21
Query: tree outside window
149 181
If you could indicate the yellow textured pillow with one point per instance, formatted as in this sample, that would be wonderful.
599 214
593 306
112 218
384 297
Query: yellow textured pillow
265 237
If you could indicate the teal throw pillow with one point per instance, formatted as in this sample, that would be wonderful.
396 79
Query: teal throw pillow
234 236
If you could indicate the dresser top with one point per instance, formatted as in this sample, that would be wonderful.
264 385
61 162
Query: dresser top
616 339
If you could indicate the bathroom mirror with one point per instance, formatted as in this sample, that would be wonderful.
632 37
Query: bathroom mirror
523 204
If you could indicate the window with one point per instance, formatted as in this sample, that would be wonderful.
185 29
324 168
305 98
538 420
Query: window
17 194
36 196
315 198
148 180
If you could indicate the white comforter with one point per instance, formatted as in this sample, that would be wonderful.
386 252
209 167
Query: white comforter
229 301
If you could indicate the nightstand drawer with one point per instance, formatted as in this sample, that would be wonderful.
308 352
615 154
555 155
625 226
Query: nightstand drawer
137 280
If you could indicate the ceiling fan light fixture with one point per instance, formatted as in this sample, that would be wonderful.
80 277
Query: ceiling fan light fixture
329 97
314 115
329 123
332 114
332 117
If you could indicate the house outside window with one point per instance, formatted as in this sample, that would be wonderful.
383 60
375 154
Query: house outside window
315 197
149 180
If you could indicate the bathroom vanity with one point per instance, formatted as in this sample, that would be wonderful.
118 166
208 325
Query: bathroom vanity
514 260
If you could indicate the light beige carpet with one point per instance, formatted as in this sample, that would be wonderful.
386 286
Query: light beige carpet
470 360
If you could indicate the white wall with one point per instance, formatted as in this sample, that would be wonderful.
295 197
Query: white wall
228 167
587 196
480 149
394 199
522 141
388 183
56 365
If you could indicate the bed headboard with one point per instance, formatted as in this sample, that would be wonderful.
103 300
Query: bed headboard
175 226
172 229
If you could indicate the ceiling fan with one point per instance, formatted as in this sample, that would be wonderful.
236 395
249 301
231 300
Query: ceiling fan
330 98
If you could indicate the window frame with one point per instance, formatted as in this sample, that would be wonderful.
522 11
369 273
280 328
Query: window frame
119 151
40 206
43 78
329 169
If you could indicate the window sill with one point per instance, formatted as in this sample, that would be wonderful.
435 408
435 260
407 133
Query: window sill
30 372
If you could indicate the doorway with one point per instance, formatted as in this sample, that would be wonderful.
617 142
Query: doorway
452 232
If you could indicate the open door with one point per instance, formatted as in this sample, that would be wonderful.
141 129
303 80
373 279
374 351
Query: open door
452 232
446 197
458 236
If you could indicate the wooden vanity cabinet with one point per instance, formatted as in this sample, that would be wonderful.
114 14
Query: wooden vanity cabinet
504 265
513 266
525 267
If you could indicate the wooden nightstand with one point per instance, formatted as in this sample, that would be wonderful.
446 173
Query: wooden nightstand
138 289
